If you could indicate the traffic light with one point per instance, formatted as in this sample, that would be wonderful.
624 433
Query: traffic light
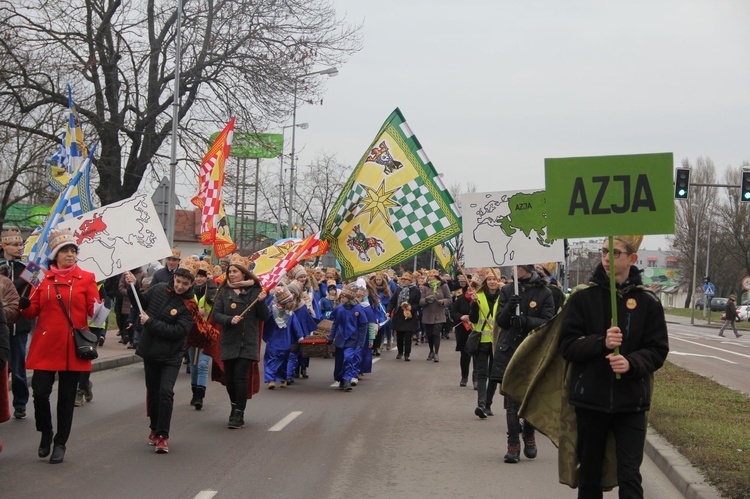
682 183
745 188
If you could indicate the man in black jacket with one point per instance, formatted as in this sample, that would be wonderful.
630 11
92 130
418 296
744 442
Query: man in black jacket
166 323
612 392
12 267
519 314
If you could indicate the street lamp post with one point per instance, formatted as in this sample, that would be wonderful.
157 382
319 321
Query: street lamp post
331 72
303 126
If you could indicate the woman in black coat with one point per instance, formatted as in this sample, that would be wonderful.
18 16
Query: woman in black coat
460 316
404 309
240 337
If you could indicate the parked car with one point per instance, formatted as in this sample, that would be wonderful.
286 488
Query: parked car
717 304
743 313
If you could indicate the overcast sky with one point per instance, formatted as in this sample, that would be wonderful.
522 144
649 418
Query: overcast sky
491 88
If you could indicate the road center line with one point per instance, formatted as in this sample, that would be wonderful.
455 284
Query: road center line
284 422
206 494
708 346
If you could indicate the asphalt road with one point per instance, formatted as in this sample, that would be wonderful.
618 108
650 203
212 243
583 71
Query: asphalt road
408 430
701 350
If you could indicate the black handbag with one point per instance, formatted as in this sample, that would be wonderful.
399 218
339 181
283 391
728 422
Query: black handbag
472 342
85 340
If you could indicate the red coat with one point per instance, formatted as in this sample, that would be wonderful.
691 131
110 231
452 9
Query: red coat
52 347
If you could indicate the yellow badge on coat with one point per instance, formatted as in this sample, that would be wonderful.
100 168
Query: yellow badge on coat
173 311
532 304
631 303
233 305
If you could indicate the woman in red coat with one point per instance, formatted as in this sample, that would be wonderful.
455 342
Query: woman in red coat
52 348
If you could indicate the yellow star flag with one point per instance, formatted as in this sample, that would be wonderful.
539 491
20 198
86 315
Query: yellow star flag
393 206
444 254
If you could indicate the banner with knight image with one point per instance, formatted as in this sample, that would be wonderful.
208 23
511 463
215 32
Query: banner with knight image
121 236
392 207
507 228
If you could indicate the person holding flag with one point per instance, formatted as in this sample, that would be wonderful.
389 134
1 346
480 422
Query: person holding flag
611 391
67 294
238 310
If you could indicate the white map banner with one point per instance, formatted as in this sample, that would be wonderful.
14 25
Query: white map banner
118 237
507 228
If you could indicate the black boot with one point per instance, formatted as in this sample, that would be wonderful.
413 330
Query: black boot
237 419
192 400
58 453
200 392
45 446
514 453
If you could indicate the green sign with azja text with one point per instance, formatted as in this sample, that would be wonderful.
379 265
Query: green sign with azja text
609 195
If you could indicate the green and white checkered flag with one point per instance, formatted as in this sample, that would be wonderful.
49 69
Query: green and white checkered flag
392 207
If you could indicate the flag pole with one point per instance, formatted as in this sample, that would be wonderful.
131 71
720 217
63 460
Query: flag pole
613 289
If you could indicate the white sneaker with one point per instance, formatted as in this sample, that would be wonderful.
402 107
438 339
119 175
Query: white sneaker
354 381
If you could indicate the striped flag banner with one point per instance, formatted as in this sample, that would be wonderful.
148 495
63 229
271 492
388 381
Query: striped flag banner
309 247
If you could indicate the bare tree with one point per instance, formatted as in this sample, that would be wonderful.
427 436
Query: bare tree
456 191
239 57
23 175
317 189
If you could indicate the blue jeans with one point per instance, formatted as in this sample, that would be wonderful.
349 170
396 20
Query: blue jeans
199 368
19 384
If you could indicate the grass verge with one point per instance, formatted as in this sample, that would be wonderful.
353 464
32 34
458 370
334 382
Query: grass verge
715 317
707 423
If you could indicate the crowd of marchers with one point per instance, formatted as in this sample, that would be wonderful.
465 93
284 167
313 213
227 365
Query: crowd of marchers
214 320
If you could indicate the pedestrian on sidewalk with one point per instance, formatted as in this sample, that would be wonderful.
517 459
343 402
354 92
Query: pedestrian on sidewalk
166 323
67 294
730 316
611 393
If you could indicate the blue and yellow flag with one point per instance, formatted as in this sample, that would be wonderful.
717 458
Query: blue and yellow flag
393 206
66 161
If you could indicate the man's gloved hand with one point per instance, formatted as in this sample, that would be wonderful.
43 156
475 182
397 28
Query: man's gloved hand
108 302
518 321
514 301
23 302
430 299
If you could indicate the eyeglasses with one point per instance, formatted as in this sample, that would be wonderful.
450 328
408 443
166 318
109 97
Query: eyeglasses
616 252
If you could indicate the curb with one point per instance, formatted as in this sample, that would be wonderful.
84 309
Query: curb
105 364
680 472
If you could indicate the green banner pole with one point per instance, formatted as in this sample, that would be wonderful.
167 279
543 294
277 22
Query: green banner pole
613 289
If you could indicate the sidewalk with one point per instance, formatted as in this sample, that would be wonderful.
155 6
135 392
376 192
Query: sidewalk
674 466
113 354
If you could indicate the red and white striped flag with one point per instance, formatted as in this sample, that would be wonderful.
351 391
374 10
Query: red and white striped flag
309 247
214 226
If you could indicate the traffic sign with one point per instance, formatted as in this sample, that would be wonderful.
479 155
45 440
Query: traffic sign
709 289
746 283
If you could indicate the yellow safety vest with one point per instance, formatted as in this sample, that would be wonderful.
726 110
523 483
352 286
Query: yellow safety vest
486 321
